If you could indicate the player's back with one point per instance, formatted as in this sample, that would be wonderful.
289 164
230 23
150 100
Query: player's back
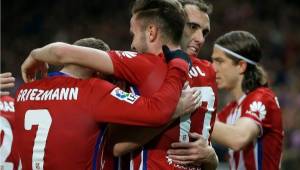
145 71
55 129
9 157
201 76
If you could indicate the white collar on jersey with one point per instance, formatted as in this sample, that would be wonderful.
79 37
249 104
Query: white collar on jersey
241 99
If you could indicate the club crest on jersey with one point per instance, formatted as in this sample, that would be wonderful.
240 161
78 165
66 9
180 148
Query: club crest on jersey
124 96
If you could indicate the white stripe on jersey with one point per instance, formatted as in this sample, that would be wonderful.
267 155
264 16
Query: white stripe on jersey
142 160
255 150
231 159
241 163
131 162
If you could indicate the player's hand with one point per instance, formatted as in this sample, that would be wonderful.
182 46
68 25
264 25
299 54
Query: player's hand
6 81
189 101
31 67
170 55
194 153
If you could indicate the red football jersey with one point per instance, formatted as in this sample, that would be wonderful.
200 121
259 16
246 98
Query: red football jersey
260 105
8 149
57 118
201 76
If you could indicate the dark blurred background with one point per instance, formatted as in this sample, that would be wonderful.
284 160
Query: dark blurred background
30 24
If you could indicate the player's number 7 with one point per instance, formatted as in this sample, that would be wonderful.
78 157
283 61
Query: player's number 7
43 119
207 95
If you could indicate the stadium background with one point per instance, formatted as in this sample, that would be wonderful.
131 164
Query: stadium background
29 24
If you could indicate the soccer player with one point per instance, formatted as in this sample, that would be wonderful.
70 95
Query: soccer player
251 125
57 120
8 149
198 151
149 35
201 77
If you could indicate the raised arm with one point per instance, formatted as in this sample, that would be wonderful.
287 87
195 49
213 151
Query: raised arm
60 54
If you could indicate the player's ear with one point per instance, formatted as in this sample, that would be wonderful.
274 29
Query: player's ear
242 66
152 32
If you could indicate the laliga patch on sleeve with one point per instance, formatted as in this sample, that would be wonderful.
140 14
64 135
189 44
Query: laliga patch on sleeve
124 96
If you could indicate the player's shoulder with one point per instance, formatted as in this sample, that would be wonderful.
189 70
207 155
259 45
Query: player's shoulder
97 82
203 64
49 81
262 97
261 93
260 100
203 68
129 54
7 98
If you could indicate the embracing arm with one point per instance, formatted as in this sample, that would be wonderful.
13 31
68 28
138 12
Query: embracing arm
238 135
136 137
196 153
62 53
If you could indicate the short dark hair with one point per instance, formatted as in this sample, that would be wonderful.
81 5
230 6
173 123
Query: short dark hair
246 45
168 14
92 43
201 4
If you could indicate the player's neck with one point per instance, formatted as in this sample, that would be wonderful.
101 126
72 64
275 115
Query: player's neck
157 48
237 91
77 72
173 47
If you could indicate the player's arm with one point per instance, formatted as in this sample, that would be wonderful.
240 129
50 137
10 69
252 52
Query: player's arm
238 135
136 137
197 153
61 53
155 110
6 81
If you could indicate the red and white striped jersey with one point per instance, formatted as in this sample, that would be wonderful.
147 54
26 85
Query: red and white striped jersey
201 76
59 118
260 105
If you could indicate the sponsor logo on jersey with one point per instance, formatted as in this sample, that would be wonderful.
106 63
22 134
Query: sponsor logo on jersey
124 96
257 107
